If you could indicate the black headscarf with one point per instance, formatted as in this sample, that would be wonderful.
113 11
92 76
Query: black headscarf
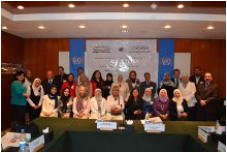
54 96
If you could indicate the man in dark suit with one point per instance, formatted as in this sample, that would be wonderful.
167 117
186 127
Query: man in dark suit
176 79
148 84
197 78
49 82
61 77
207 96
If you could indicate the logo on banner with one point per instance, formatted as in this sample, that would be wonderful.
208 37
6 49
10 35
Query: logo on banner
166 61
77 60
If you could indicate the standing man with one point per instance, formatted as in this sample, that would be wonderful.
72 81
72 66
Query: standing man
148 84
80 71
49 82
197 78
206 95
61 77
176 79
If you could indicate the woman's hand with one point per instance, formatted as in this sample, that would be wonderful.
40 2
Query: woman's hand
26 95
183 114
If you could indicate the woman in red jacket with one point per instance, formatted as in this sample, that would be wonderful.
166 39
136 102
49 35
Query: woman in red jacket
96 81
70 84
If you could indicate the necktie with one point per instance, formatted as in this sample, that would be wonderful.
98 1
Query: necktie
206 85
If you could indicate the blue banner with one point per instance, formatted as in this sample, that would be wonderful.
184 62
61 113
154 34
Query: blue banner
76 55
166 57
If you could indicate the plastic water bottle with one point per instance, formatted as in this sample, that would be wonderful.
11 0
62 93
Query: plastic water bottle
22 141
28 140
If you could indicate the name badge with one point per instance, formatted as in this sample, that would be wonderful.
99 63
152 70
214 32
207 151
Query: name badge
37 144
221 147
154 127
106 125
202 135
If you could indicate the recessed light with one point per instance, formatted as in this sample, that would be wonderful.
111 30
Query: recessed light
71 5
167 26
210 27
20 7
82 26
41 27
154 6
180 6
4 27
125 5
124 26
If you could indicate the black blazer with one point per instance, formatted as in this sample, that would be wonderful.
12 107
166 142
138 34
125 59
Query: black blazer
173 80
192 79
133 105
173 110
47 86
143 86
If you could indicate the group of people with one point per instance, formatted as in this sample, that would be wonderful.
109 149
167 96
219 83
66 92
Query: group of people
186 98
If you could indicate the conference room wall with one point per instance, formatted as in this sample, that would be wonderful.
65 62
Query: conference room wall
12 48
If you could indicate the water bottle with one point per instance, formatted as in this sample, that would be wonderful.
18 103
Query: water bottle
22 141
28 140
147 118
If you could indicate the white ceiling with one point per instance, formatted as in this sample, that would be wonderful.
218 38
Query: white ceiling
108 25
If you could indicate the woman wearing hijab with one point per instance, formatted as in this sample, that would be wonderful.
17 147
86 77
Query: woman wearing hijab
98 105
149 101
167 84
65 103
134 106
132 81
36 94
107 85
115 104
70 84
123 87
85 83
178 107
161 105
81 104
50 103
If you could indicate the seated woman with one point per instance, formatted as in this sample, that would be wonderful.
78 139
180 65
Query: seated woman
134 106
65 103
50 103
36 94
148 104
98 106
81 104
161 105
178 107
115 104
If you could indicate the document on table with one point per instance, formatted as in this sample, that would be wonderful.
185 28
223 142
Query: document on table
152 120
11 139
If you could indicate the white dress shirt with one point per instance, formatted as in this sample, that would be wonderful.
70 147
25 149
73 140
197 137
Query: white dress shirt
94 108
48 106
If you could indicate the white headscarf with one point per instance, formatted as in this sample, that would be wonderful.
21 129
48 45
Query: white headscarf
179 100
33 84
145 97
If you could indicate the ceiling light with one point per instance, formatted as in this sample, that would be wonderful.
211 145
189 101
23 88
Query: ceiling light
4 27
167 26
82 26
20 7
154 6
41 27
180 6
210 27
71 5
124 26
125 5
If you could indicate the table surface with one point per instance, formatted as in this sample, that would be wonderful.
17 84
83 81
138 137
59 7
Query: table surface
60 125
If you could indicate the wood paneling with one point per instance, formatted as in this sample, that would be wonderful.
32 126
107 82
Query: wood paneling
12 51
